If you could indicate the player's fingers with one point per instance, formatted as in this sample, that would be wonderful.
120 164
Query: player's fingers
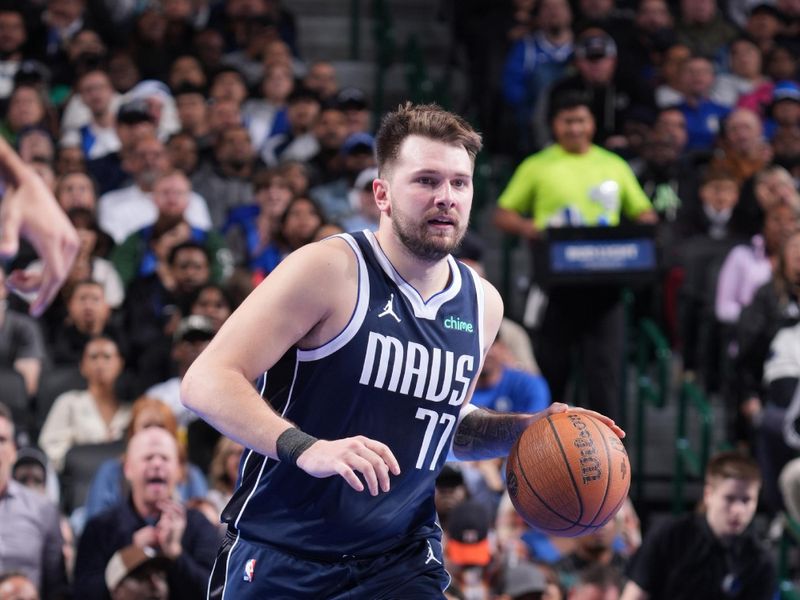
367 470
48 290
385 453
557 407
379 466
56 269
608 421
349 476
10 221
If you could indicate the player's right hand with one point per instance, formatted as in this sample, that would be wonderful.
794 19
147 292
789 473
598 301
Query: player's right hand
344 457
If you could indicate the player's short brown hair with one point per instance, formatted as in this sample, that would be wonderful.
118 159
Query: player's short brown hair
427 120
732 465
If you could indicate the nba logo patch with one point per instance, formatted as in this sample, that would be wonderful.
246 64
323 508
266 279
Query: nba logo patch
249 570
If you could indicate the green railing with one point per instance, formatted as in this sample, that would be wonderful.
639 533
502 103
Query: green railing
383 32
789 538
688 458
653 366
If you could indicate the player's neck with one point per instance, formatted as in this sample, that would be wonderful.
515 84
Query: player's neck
427 277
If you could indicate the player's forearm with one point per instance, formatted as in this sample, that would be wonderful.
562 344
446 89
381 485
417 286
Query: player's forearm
487 434
225 399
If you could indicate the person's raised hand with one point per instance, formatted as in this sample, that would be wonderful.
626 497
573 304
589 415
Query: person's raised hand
29 210
345 457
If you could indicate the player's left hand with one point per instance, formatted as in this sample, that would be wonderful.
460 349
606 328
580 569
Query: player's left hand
560 407
30 210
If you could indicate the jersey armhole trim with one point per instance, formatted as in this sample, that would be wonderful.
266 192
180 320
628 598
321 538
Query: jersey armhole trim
356 318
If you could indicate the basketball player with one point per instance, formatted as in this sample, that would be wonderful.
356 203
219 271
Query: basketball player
385 335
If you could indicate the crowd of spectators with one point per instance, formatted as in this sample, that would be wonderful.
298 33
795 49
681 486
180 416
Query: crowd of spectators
193 147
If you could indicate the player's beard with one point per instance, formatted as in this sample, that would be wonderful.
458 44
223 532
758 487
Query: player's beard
421 241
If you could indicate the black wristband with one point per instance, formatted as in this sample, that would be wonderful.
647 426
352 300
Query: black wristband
292 443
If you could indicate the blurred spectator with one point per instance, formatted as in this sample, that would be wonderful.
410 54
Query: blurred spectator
353 102
108 487
13 36
575 177
186 70
36 144
669 91
224 472
321 78
298 224
145 251
191 337
297 142
251 228
357 153
610 93
88 416
703 115
266 116
227 83
784 109
16 586
124 211
226 179
503 389
256 32
749 266
703 28
535 62
711 554
76 190
149 518
88 314
133 573
745 77
209 46
642 51
710 218
159 103
450 491
183 152
26 108
21 343
331 132
763 23
297 175
362 202
772 185
468 550
598 582
592 550
742 149
190 102
89 117
31 532
123 70
213 302
222 114
524 581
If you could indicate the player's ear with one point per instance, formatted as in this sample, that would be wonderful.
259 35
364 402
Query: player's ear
380 189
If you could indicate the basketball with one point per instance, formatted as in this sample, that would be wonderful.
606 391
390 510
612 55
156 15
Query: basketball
568 474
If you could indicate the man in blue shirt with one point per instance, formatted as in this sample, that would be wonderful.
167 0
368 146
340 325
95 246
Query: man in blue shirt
504 389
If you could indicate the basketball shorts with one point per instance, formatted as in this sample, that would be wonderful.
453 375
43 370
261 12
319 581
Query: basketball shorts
245 571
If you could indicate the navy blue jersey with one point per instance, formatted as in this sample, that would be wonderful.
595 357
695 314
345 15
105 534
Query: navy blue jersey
399 373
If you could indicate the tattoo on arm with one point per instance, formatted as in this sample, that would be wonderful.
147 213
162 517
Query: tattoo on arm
486 434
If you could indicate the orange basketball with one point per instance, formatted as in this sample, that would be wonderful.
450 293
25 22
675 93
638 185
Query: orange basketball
568 474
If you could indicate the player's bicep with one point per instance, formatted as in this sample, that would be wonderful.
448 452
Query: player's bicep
299 294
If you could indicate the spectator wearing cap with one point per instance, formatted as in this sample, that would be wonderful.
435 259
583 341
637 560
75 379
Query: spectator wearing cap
703 28
13 37
30 524
226 178
159 104
362 201
535 62
611 93
298 142
523 581
149 518
134 573
267 116
355 106
192 335
468 550
123 212
784 109
357 153
703 115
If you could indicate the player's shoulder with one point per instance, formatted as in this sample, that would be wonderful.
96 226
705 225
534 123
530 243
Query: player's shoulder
326 258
